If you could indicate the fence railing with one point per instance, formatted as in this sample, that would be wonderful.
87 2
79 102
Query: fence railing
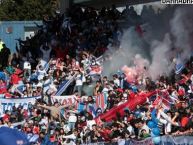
162 140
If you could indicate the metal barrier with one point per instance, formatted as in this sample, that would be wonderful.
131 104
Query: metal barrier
160 140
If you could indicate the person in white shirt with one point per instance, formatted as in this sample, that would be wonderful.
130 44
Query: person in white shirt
50 92
40 72
105 88
46 83
85 61
72 137
72 119
131 129
27 69
116 80
44 121
167 120
79 82
90 123
42 62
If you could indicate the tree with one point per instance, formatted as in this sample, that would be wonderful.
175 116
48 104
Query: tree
12 10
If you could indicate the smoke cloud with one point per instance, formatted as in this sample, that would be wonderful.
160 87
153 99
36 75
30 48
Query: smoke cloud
182 30
164 39
160 63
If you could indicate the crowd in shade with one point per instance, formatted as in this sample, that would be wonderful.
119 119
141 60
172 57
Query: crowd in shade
68 46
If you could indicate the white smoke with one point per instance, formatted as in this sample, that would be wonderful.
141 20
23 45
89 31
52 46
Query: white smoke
131 45
158 49
160 63
182 30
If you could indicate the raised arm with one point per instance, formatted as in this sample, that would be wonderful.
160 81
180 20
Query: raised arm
166 117
64 106
50 48
45 107
41 48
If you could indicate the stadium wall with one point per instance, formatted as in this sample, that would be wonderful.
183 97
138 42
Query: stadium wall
11 30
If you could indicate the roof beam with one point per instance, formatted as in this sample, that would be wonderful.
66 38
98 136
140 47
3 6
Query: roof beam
118 3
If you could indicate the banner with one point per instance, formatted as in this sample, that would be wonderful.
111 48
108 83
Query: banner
163 140
71 100
64 100
95 70
7 104
64 85
101 101
80 105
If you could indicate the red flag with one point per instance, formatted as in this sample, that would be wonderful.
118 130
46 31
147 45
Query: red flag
139 99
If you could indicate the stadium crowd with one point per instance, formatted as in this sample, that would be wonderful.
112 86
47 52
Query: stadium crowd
67 47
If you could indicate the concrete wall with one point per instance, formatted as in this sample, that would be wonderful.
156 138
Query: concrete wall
11 30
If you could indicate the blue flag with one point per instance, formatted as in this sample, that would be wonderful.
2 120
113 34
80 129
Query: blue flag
10 136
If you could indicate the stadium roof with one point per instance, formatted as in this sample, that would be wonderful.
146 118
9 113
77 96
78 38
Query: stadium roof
118 3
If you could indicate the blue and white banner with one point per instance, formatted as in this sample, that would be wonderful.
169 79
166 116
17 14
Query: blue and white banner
64 85
7 104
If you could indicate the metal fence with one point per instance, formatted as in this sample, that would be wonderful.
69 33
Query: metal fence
163 140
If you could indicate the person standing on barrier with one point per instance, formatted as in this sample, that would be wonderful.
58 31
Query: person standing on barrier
79 82
51 92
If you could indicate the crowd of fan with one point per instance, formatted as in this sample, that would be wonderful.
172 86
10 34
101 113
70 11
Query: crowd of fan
71 45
